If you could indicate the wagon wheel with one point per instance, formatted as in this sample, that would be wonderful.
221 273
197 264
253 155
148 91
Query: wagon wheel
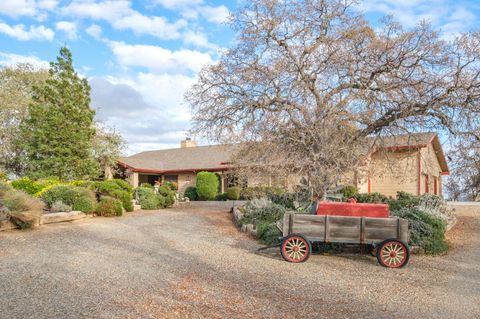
296 248
393 253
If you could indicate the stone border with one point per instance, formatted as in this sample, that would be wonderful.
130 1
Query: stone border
51 218
247 228
61 217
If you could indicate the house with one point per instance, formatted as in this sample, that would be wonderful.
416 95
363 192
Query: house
411 163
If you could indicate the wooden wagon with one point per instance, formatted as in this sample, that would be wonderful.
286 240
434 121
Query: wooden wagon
388 236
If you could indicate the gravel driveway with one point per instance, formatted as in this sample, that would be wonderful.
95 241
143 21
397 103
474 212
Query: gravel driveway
192 263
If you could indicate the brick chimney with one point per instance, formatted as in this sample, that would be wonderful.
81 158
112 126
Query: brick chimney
188 142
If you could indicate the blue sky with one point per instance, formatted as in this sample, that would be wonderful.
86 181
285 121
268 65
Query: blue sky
140 56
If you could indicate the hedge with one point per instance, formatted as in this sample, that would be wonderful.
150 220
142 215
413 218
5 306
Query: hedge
191 193
233 193
109 206
79 198
207 185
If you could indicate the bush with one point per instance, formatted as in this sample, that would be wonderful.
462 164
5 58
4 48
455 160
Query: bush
191 193
249 193
426 230
59 207
118 189
19 201
221 197
207 185
27 185
109 206
233 193
262 210
172 185
268 233
371 198
146 185
149 200
125 197
79 198
124 185
349 192
168 194
4 188
3 176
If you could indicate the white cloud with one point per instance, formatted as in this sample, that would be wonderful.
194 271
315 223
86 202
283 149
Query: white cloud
69 28
451 17
159 59
33 33
146 109
122 17
214 14
11 59
198 39
31 8
155 26
195 8
95 31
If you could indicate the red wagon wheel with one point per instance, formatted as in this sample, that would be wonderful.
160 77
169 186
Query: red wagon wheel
296 248
393 253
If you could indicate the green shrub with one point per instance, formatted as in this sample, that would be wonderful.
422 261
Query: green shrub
207 185
109 206
149 200
371 198
262 210
268 233
59 207
172 185
18 201
191 193
168 194
426 230
27 185
146 185
82 183
233 193
79 198
3 176
118 189
4 187
221 197
125 197
249 193
349 192
124 185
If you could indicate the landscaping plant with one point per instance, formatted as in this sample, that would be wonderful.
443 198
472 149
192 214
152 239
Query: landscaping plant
60 207
109 206
79 198
233 193
207 185
23 209
191 193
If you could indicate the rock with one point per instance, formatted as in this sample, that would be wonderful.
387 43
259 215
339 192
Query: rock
61 217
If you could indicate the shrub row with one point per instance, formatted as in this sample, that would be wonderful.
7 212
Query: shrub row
149 200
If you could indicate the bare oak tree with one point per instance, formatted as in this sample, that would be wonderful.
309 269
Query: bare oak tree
309 80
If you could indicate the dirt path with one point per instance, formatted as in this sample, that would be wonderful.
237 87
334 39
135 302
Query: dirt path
192 263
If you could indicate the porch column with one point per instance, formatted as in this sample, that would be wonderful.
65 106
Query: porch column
133 179
222 183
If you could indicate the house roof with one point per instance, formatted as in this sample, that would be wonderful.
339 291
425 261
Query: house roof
217 157
211 157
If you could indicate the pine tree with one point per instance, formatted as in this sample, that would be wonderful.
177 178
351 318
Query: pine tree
57 135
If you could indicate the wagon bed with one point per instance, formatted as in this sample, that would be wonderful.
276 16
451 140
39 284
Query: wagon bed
387 235
345 229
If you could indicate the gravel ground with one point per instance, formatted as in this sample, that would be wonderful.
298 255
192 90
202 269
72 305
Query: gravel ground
192 263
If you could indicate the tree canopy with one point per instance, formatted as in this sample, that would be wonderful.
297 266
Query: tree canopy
308 80
16 90
57 134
